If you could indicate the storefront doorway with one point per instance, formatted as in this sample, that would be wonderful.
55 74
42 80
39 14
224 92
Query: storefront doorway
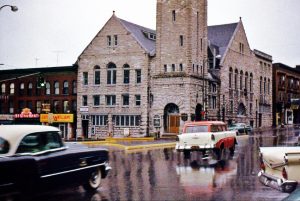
171 118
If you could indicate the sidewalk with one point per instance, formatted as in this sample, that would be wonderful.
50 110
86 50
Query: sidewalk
133 143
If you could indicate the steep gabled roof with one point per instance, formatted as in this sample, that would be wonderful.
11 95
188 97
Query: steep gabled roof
141 35
137 31
220 36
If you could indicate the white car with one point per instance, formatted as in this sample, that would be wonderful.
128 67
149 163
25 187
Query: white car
280 167
206 135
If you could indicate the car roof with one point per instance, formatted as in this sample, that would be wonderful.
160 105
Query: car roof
205 123
15 133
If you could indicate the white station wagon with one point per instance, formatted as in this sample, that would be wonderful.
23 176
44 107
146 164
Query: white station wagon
280 167
206 135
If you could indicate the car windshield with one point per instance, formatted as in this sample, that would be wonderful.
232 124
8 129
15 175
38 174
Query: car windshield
4 146
37 142
237 125
196 129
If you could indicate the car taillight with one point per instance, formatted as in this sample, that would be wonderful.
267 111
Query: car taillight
212 137
284 173
262 165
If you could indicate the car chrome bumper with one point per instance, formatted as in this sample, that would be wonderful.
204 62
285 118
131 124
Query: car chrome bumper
277 183
179 147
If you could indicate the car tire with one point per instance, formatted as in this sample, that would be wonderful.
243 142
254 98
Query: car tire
94 180
218 153
187 154
231 149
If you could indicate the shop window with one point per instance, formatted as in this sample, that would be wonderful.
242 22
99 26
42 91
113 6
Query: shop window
125 98
21 89
138 76
66 108
3 88
29 89
137 100
56 88
110 100
38 107
96 99
48 88
84 100
66 87
74 87
85 78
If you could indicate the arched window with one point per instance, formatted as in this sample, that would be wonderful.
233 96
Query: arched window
56 88
269 82
3 88
11 88
21 88
241 109
74 87
66 87
260 85
230 77
236 74
111 73
96 75
241 80
29 90
48 88
251 82
246 82
126 79
265 85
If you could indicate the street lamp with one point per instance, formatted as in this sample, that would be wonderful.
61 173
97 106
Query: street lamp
13 8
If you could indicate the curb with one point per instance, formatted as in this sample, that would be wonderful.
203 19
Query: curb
131 147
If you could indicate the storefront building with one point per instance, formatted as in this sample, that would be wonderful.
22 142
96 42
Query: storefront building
29 96
286 96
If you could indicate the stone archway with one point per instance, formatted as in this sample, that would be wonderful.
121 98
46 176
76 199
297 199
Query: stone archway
171 118
241 110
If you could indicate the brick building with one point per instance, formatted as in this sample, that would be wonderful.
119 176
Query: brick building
286 102
134 80
40 96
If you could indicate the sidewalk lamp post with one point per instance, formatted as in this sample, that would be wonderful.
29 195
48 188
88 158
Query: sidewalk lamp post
13 8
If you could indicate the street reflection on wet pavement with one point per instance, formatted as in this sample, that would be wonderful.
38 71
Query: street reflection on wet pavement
164 174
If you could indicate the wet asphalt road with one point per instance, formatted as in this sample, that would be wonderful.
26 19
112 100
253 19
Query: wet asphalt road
164 174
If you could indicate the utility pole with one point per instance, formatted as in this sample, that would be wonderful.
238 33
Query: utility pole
57 56
36 61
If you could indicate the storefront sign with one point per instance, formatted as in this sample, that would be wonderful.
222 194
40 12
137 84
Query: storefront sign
57 118
84 109
26 113
46 107
4 117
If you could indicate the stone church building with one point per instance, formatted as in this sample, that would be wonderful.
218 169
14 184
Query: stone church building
136 81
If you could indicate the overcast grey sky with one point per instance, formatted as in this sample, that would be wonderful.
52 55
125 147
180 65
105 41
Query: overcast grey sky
55 32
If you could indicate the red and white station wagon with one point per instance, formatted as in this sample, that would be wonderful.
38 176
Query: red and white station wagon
206 135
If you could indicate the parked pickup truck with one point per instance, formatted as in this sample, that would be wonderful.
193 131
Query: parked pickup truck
204 136
280 167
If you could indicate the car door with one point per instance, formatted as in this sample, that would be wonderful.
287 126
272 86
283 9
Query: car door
48 152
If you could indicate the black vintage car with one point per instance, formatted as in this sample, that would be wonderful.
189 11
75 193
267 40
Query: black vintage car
34 158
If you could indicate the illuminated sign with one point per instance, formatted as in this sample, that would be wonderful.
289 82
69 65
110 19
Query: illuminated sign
46 107
26 113
57 118
6 117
